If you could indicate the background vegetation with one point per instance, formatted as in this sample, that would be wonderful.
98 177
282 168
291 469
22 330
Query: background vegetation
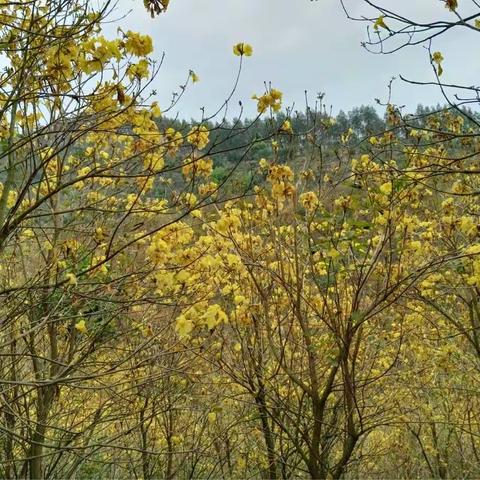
292 296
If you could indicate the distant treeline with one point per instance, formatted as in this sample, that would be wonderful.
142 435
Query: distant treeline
231 138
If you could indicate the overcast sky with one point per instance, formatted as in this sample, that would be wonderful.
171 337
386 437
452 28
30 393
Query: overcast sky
298 45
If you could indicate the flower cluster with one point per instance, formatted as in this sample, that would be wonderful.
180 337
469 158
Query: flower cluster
198 136
271 99
241 49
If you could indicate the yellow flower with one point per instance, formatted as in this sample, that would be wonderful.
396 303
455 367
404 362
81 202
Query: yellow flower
380 22
81 327
263 164
473 249
280 172
242 49
452 5
332 253
71 279
198 136
212 416
309 200
240 300
12 198
272 99
138 70
468 226
386 188
195 78
202 167
183 326
437 58
139 45
28 233
286 127
214 315
156 112
189 199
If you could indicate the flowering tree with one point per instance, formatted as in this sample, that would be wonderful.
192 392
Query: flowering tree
319 322
87 176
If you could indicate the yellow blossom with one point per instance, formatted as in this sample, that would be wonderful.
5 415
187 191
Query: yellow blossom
198 136
286 127
81 327
242 49
271 99
309 200
71 279
195 78
139 45
386 188
212 416
183 326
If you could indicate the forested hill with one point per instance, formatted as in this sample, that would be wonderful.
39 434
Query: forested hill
354 127
238 145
